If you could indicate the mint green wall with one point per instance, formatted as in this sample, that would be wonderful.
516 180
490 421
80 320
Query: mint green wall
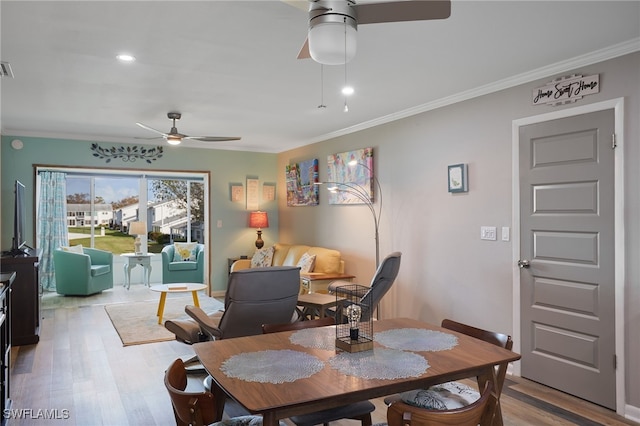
230 240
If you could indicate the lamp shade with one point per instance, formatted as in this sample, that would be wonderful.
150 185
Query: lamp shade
327 43
137 228
258 220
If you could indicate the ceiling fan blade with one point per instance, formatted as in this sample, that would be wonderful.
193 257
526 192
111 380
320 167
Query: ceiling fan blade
298 4
399 11
213 138
304 51
152 129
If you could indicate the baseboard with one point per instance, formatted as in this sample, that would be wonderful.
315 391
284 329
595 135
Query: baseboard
632 413
218 293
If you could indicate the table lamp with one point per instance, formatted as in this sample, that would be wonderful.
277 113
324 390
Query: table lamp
259 220
137 229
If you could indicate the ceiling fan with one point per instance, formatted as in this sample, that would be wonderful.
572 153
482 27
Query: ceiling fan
333 24
175 138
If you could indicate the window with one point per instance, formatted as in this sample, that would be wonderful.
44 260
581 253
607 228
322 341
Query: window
101 203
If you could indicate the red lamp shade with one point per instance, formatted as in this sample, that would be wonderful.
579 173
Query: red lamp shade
258 220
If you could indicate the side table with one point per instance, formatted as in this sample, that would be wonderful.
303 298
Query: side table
312 282
131 261
316 304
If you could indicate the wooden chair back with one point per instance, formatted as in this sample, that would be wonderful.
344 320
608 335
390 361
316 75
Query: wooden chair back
298 325
189 408
402 414
498 339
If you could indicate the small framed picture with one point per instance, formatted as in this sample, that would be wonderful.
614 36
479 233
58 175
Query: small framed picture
457 178
237 193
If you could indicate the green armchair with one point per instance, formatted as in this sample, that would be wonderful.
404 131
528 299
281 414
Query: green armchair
183 271
83 274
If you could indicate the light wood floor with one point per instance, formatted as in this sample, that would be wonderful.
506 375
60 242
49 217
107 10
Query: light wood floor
80 365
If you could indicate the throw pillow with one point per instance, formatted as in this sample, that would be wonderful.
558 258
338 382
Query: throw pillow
262 257
183 252
445 396
306 262
73 249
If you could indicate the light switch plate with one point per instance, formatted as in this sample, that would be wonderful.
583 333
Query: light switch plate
505 233
488 233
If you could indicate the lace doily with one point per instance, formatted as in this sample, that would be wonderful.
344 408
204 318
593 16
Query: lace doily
380 363
272 366
416 339
316 338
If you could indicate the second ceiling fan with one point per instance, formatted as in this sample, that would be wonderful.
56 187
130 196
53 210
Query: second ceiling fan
175 138
333 24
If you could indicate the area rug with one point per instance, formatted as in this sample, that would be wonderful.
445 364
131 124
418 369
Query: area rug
137 323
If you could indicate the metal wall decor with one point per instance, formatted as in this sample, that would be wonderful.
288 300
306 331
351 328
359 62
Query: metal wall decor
128 153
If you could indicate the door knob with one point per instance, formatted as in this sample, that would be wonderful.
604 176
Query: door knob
523 263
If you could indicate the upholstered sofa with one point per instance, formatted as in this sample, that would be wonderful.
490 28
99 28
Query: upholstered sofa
327 261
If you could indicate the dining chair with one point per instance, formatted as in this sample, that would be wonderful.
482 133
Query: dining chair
356 411
455 394
400 413
198 408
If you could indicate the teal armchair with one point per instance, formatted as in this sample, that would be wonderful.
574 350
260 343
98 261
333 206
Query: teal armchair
182 271
83 274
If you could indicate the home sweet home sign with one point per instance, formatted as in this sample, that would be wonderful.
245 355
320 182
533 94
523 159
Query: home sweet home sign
565 90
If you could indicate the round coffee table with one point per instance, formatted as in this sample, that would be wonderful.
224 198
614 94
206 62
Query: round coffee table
163 289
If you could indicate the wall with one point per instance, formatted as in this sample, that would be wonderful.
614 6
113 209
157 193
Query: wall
231 240
447 271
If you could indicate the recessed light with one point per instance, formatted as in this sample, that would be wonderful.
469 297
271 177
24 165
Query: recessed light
125 57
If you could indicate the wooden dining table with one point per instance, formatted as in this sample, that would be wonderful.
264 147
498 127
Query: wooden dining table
330 387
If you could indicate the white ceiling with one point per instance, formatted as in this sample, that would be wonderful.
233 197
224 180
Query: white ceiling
230 67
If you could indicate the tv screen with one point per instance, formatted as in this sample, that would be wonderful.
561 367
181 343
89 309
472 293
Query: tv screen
19 219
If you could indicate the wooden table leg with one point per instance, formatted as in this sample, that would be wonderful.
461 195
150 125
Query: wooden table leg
195 299
269 419
163 298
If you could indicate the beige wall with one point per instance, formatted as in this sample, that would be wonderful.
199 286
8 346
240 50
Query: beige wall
447 271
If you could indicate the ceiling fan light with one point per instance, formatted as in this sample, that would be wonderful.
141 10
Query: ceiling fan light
174 140
327 43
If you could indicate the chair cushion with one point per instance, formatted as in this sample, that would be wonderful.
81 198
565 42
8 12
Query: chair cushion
445 396
182 266
183 252
351 411
73 249
243 421
306 262
262 257
97 270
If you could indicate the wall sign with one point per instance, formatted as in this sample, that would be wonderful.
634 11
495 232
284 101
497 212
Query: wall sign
565 90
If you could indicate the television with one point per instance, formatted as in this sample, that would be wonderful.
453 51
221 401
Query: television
19 221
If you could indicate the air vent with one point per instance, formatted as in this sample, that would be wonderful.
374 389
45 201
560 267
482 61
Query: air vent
5 70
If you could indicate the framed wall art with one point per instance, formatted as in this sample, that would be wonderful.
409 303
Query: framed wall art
237 192
301 179
457 178
253 197
268 191
358 175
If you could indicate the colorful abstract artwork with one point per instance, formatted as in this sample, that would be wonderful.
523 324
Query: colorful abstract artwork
301 178
354 169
